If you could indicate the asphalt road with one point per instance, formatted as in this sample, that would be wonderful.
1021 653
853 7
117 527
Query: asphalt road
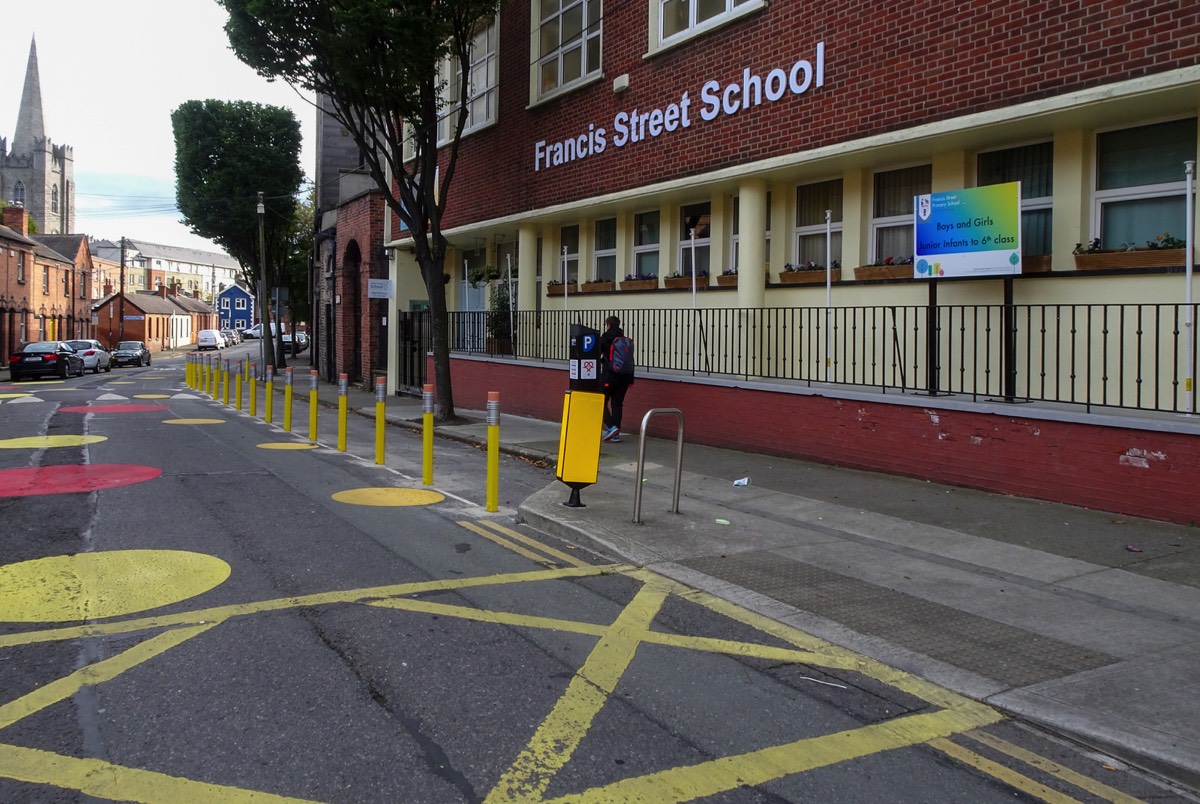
197 606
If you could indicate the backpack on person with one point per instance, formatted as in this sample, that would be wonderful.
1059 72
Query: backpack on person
620 356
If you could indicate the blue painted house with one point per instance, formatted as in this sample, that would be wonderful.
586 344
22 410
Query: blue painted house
235 308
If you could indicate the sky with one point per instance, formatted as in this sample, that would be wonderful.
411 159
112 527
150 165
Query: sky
112 71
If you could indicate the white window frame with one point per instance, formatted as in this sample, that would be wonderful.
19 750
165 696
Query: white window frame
21 267
485 67
599 253
1137 192
239 304
646 248
571 257
589 42
808 230
734 9
685 241
1027 204
878 225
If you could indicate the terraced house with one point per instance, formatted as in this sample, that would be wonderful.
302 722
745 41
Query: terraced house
741 182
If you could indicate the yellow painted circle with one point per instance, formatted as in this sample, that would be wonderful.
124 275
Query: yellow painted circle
13 396
96 585
38 442
151 396
288 445
193 421
389 497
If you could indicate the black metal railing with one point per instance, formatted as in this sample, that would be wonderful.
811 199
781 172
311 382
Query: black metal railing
1094 355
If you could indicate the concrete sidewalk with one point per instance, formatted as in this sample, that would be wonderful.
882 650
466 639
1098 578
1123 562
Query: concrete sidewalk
1083 621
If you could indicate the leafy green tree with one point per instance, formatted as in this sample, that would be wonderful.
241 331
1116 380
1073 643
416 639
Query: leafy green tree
226 153
378 63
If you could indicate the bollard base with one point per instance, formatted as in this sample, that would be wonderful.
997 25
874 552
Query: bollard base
573 501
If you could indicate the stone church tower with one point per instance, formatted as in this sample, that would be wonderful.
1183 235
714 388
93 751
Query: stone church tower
35 172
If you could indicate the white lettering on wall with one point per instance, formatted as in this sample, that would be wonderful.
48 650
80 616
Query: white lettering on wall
716 100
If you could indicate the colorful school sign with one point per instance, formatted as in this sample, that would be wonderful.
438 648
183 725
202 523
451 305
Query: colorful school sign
971 232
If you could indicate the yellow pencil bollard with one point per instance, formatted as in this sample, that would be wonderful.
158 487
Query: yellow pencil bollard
312 405
187 373
238 386
252 368
427 434
287 400
380 418
493 451
210 383
225 382
343 390
269 398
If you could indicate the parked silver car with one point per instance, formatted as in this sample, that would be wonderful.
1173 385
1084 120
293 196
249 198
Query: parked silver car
95 357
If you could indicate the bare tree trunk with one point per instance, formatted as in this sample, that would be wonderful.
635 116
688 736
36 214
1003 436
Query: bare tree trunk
435 284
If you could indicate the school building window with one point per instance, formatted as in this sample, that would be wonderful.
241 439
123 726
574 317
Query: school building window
812 201
1033 166
1141 187
569 243
569 37
482 78
680 19
604 266
892 210
695 220
645 243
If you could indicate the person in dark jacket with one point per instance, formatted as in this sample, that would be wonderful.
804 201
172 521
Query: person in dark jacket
615 385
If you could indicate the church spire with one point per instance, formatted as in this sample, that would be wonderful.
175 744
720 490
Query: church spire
31 126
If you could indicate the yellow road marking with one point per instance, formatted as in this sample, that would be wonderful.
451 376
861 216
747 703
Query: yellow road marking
997 771
193 421
507 545
96 673
564 558
1087 783
49 441
689 782
388 497
100 779
365 595
286 445
85 586
567 724
560 734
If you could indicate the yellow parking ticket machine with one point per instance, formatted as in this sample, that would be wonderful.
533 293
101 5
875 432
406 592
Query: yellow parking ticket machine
583 415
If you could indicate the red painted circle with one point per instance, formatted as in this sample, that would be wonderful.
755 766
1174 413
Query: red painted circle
32 481
114 409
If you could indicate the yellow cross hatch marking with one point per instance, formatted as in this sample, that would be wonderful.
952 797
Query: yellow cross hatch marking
556 739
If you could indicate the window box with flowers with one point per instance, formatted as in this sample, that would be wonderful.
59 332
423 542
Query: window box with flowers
889 268
597 286
640 282
557 288
728 278
1163 251
684 281
809 273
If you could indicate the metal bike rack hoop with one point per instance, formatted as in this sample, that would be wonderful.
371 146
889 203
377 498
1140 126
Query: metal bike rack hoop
641 461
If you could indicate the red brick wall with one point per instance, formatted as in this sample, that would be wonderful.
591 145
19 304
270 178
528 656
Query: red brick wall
888 66
360 222
1138 472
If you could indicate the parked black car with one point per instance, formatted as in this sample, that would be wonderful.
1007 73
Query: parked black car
131 353
42 358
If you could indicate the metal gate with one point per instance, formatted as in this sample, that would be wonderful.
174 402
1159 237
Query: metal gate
412 345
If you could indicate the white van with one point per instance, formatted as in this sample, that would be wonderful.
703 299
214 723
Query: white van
209 339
